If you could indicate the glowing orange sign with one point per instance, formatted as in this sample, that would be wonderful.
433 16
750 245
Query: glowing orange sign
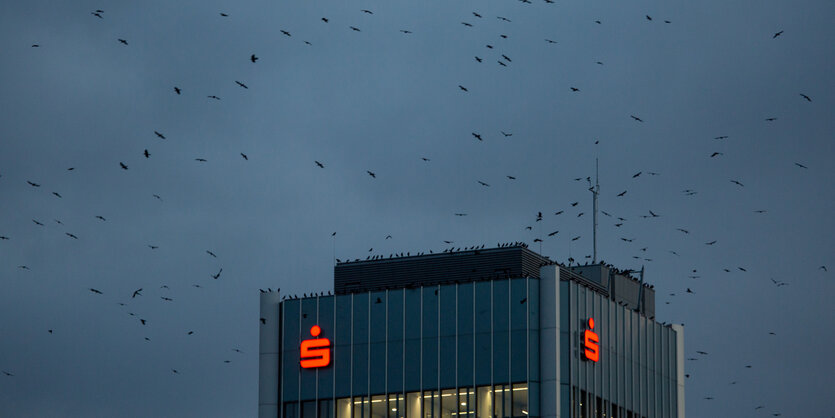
315 352
590 340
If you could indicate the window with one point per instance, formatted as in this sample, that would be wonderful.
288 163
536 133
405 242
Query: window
308 409
485 402
343 408
413 405
520 400
449 404
291 410
326 408
379 407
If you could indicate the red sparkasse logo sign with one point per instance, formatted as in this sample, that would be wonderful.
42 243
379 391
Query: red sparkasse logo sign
315 352
590 341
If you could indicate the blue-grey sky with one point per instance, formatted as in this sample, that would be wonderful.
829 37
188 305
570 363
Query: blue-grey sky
380 100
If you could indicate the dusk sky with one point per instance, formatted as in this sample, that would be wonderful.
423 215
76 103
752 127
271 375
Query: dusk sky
715 118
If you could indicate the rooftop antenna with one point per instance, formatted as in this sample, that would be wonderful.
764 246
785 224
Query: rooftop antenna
595 190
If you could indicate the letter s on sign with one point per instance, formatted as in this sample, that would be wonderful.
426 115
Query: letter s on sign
590 340
315 352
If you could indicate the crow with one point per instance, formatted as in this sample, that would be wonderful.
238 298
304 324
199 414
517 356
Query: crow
59 196
245 157
33 184
405 31
253 58
737 183
146 154
367 11
636 118
177 90
478 59
223 14
637 174
797 164
574 89
136 293
550 41
71 235
211 253
241 84
355 29
319 164
777 34
202 160
771 119
715 154
123 41
285 32
98 292
477 136
553 233
161 136
462 88
216 276
469 25
124 167
622 193
711 242
213 97
808 99
483 183
324 19
371 174
505 133
721 137
476 15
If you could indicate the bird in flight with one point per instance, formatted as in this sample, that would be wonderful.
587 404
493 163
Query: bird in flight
367 11
177 90
124 167
575 238
797 164
319 164
216 276
33 184
476 15
737 183
477 136
146 154
136 293
636 118
683 230
253 58
462 88
506 134
245 157
211 253
370 173
574 89
550 41
483 183
224 14
202 160
808 99
8 374
771 119
460 214
71 235
715 154
285 32
213 97
97 14
96 291
553 233
721 137
511 177
478 59
153 247
355 29
161 136
241 84
711 242
124 42
777 34
622 193
637 174
405 31
649 17
59 196
469 25
324 19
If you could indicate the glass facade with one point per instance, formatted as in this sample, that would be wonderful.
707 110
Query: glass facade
500 401
477 349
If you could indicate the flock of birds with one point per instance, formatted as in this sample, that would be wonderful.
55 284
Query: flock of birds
128 301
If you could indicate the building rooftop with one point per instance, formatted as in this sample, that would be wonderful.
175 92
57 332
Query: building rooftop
476 264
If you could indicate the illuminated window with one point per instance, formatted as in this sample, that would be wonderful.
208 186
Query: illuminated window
343 408
520 400
413 405
484 397
449 404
